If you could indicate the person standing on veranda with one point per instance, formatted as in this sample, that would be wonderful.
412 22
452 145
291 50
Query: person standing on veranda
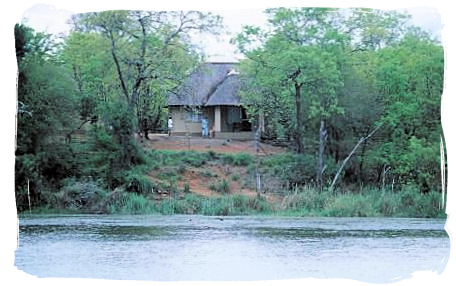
170 125
205 125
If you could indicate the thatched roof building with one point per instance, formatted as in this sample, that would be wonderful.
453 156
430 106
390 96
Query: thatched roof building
210 94
212 84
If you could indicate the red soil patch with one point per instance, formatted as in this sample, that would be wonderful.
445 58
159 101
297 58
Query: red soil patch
198 183
165 142
199 179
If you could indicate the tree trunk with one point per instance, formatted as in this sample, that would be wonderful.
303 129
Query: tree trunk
116 61
361 163
299 123
350 155
321 150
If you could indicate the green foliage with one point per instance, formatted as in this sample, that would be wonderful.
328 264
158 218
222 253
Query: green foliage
114 71
235 177
208 173
194 159
186 188
306 69
352 205
80 195
45 112
129 204
222 186
239 159
308 200
410 77
139 183
294 76
142 55
352 71
291 169
370 203
112 146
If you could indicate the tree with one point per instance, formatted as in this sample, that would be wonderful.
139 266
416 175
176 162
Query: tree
338 75
410 77
149 54
45 110
144 45
301 55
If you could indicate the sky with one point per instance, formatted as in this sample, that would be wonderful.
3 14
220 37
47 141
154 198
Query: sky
48 18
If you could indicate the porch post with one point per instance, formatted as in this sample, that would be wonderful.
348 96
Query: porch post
218 119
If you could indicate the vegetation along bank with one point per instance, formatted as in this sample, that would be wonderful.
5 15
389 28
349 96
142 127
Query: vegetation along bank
352 99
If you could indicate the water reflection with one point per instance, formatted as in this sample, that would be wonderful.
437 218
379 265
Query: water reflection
233 248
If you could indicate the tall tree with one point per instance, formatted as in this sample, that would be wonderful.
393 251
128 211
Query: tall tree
300 57
341 75
410 77
45 111
143 44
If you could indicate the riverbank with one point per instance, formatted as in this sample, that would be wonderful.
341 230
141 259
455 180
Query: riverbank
305 204
210 183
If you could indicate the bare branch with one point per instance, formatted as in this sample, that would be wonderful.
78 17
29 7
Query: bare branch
350 155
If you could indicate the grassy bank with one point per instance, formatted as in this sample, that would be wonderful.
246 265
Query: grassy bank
164 193
307 202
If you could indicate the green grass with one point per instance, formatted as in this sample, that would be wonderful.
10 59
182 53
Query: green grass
138 183
372 203
222 186
191 204
235 177
240 159
208 173
137 193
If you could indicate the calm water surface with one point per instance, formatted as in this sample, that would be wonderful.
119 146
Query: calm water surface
172 248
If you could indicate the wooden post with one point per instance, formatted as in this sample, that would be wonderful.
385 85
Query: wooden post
28 193
257 172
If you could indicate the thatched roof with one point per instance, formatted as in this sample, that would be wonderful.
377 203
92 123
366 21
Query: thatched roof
212 84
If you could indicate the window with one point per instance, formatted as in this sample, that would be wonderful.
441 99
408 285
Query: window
194 115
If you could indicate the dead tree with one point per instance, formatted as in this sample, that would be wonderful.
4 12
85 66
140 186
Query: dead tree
350 155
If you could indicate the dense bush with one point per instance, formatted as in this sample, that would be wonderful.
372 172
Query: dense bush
80 195
139 184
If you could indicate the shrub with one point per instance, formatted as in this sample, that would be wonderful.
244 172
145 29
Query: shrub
193 203
139 184
235 177
80 195
227 159
194 159
416 204
167 206
291 169
222 186
181 169
186 188
258 204
127 203
212 155
208 173
134 204
351 205
240 159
